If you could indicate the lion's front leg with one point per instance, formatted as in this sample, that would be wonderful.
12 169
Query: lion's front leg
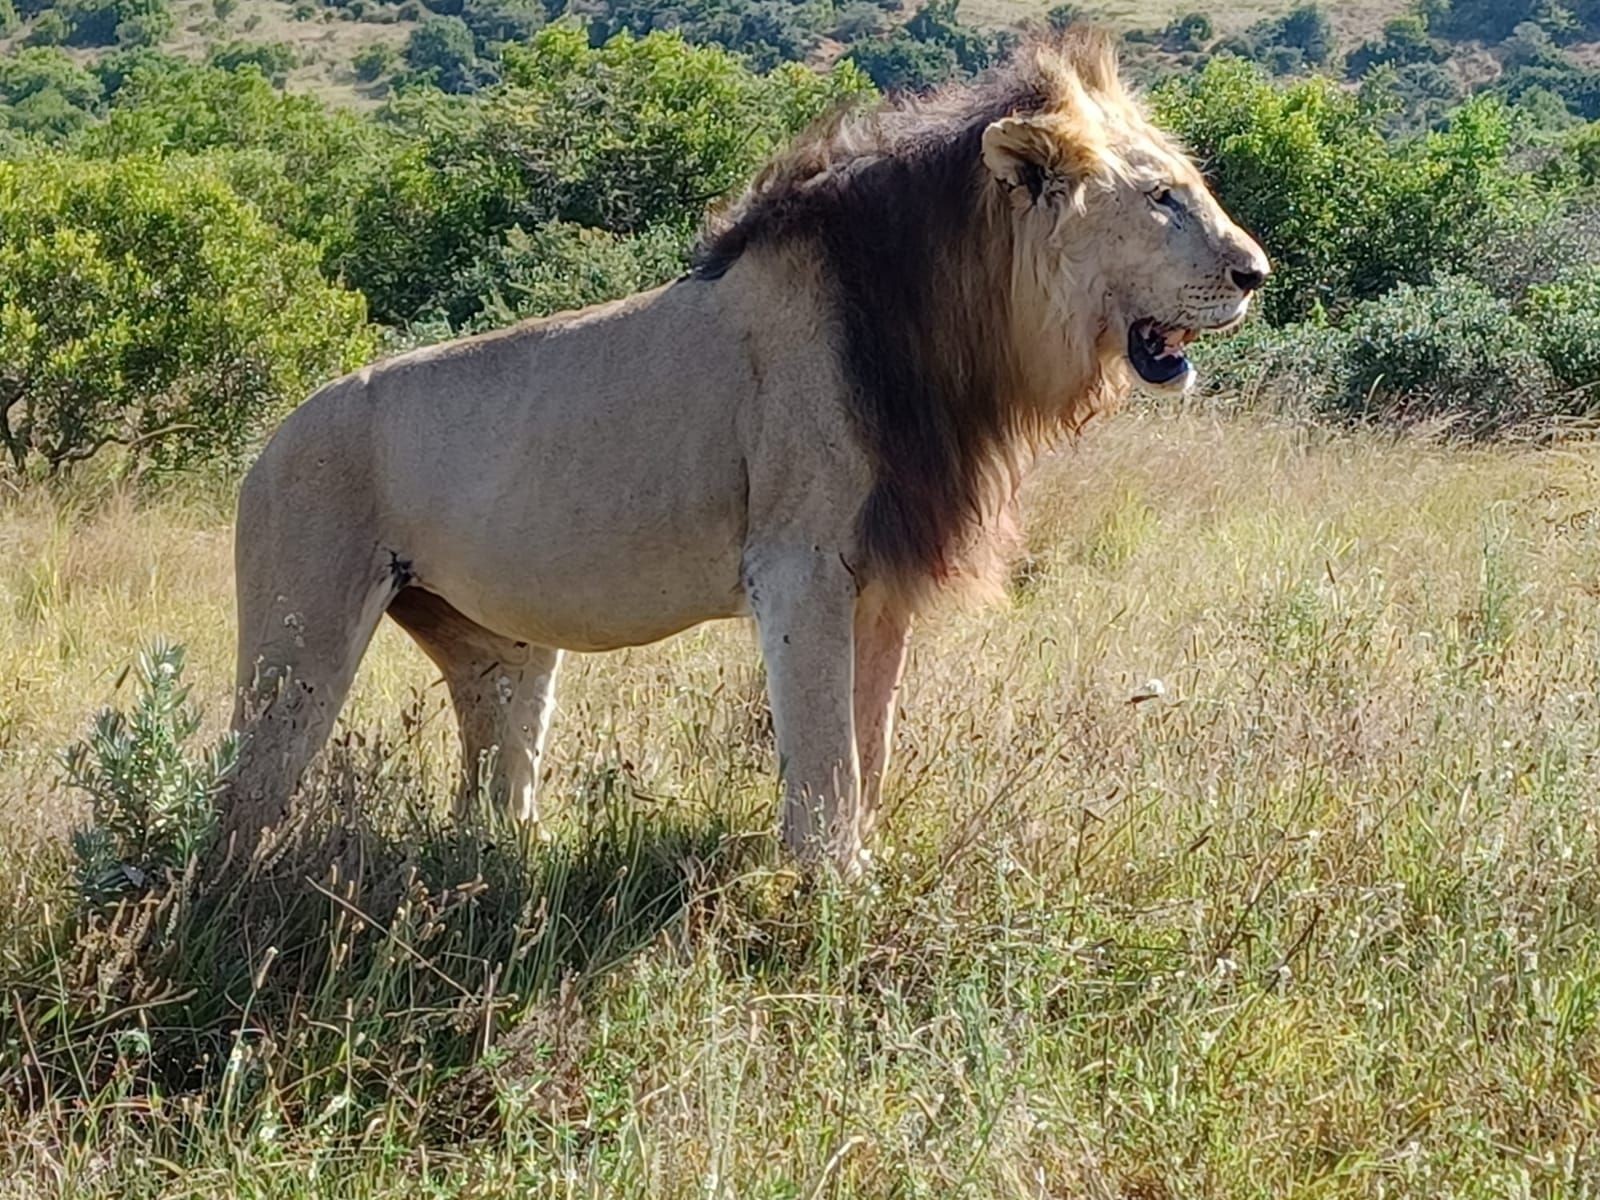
883 635
804 603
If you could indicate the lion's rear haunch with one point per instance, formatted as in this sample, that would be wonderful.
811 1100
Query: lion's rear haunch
824 426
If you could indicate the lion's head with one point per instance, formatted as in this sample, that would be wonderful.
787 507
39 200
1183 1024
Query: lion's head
1001 260
1106 206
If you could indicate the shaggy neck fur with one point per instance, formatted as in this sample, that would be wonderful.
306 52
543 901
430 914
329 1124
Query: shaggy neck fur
961 359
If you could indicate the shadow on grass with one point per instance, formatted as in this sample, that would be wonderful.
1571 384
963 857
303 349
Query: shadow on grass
379 960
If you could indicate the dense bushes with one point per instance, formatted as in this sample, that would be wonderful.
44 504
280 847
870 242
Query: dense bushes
635 136
1415 275
1345 213
144 303
441 51
298 161
567 169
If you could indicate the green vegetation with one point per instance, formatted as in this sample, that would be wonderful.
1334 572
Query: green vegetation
147 306
1321 919
1317 916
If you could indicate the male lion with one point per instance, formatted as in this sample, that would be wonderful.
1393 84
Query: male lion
823 425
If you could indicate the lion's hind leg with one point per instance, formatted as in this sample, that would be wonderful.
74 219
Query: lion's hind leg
310 595
503 692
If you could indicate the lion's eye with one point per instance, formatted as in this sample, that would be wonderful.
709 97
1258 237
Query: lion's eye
1162 196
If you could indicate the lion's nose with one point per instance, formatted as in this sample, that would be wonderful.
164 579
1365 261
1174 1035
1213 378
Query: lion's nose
1249 279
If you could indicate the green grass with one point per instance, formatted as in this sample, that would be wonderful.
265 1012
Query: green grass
1321 919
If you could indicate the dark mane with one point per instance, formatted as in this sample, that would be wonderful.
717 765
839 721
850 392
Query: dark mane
899 212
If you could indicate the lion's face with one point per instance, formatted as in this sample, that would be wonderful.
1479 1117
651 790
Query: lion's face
1107 207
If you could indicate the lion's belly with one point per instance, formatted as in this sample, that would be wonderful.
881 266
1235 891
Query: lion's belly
581 582
592 495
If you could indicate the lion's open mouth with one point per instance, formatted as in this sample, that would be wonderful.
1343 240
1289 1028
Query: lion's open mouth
1157 351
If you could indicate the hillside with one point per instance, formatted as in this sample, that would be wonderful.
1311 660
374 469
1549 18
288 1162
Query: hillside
322 41
1353 21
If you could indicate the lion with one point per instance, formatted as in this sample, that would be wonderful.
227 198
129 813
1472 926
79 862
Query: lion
822 425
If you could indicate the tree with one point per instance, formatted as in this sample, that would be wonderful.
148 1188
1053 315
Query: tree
273 59
145 304
301 163
45 93
1345 213
442 49
628 137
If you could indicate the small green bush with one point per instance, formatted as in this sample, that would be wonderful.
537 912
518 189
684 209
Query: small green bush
1447 348
1564 320
555 268
151 798
273 59
49 28
374 61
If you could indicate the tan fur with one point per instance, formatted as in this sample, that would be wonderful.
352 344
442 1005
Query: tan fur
823 426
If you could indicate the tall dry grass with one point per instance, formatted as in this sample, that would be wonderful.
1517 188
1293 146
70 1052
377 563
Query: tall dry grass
1251 852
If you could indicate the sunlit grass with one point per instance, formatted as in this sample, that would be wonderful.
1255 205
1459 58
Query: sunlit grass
1321 918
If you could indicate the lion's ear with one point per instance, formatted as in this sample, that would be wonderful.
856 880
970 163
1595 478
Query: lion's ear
1051 153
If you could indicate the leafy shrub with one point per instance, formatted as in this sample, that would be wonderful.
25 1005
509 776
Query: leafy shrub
1344 212
98 22
1405 40
1578 87
44 92
764 32
49 28
1416 98
902 63
9 20
557 267
151 799
1190 31
298 161
671 126
145 304
273 59
859 19
1530 45
1579 161
371 62
1493 20
1450 349
1447 348
493 21
145 29
442 50
1563 318
1292 368
115 68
